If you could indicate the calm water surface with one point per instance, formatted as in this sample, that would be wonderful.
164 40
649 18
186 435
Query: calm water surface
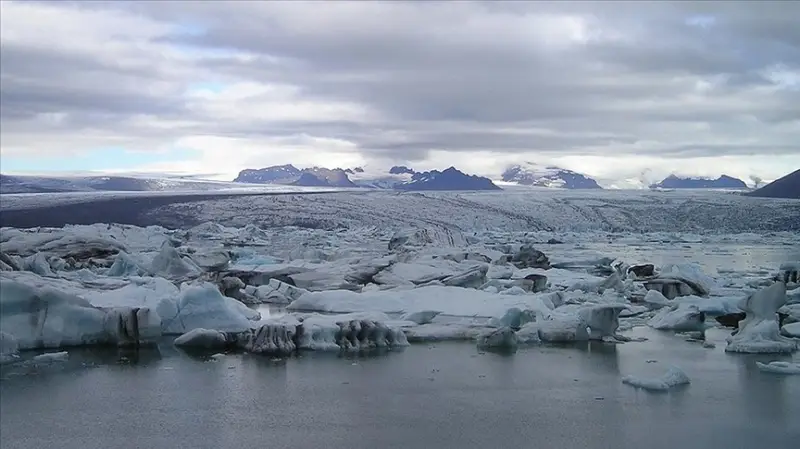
426 396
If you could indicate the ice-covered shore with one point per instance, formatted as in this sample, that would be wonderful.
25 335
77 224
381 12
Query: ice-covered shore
362 288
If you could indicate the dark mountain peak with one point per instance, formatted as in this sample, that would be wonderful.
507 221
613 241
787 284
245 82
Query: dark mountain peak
401 170
308 179
450 179
786 187
677 182
267 175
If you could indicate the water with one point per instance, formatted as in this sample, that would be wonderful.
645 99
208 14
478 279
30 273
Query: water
446 395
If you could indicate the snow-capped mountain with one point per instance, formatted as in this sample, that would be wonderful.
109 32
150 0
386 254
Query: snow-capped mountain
291 175
786 187
277 174
450 179
723 182
548 176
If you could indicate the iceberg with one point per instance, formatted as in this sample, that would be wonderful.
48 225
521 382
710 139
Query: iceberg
125 266
275 292
759 332
672 378
498 339
421 317
791 330
51 357
563 328
679 318
168 263
271 338
203 306
349 332
202 338
47 318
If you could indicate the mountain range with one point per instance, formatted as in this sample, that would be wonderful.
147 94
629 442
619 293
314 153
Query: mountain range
531 174
291 175
399 177
723 182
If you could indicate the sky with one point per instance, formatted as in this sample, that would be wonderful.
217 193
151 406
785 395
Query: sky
615 90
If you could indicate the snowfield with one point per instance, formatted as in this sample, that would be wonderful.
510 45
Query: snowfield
358 271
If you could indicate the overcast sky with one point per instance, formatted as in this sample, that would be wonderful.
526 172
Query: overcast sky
609 89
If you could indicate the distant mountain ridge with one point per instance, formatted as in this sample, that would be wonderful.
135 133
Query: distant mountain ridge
531 174
450 179
291 175
398 177
786 187
723 182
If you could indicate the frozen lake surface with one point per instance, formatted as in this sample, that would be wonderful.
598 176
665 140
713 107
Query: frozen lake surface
444 395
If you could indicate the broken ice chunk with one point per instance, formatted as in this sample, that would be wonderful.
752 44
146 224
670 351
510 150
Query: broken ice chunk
679 318
503 338
759 332
672 378
202 338
52 357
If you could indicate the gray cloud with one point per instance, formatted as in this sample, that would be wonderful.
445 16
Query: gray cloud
682 79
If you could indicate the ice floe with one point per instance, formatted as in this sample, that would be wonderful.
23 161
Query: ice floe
672 378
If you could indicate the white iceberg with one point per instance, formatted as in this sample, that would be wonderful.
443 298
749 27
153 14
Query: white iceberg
48 318
203 306
421 317
168 263
276 292
503 339
202 338
529 334
672 378
51 357
690 274
602 319
791 330
124 265
759 331
563 328
679 318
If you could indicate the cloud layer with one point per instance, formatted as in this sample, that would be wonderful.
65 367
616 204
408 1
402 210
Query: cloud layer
607 88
